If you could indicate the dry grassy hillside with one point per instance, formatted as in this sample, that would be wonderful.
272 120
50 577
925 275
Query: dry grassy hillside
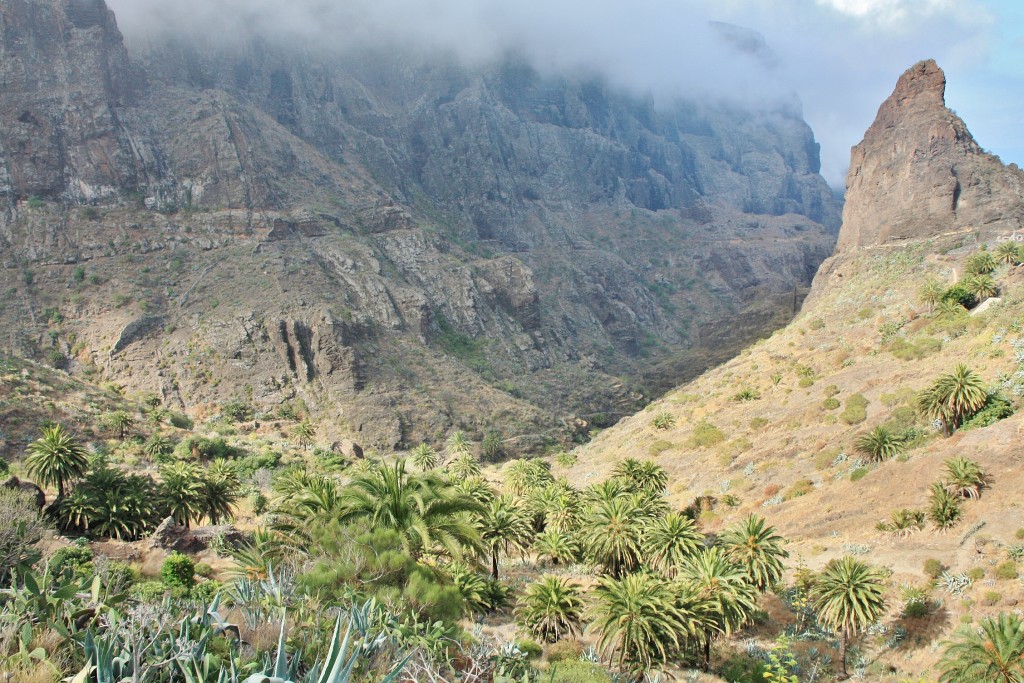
759 433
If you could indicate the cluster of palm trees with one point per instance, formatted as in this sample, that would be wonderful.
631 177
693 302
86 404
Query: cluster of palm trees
664 593
97 499
977 285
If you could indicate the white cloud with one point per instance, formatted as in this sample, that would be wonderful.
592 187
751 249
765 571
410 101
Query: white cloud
841 56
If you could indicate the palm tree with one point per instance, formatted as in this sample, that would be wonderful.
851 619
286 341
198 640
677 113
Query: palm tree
642 475
56 457
930 292
951 309
556 547
305 433
605 491
848 599
424 457
503 526
120 422
879 444
611 535
458 444
994 653
964 478
943 507
980 263
670 540
219 490
758 549
551 608
981 286
477 488
463 467
953 397
158 446
108 502
181 492
430 515
492 448
1008 252
523 476
640 621
724 588
554 507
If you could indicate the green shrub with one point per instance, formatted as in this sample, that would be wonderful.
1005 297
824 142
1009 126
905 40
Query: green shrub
265 460
205 592
531 648
73 559
992 598
178 571
181 420
1019 533
859 473
805 382
997 408
907 350
659 447
204 570
705 435
747 395
203 448
577 672
4 467
758 423
816 324
237 410
855 411
916 609
824 459
565 651
959 294
830 391
799 488
830 403
1007 570
933 568
149 591
976 573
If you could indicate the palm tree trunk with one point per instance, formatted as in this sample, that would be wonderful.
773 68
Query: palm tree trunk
494 564
707 650
843 675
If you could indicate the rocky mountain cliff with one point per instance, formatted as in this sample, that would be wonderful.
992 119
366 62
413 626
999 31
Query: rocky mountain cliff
918 172
400 241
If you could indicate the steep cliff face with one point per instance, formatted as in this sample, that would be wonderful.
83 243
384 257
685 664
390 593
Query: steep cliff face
399 240
66 71
919 172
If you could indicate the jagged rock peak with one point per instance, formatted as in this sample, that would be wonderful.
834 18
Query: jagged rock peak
919 173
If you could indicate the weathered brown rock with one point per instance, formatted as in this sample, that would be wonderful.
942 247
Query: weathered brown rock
919 173
172 536
27 487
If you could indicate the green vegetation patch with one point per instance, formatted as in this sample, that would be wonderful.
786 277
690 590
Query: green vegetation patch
706 435
855 411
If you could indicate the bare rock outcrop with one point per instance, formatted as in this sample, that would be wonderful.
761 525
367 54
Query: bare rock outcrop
919 173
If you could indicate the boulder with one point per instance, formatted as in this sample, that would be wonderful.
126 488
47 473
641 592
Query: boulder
27 487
